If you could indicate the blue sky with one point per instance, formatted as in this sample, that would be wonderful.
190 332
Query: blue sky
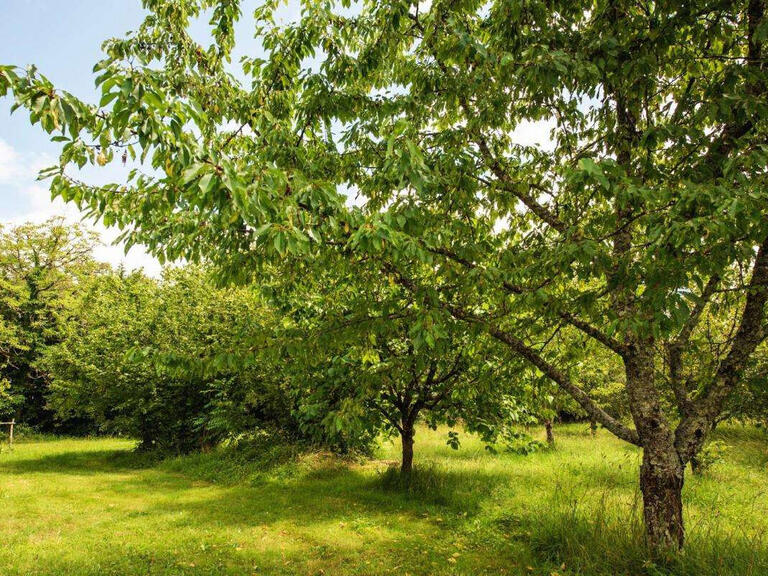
63 43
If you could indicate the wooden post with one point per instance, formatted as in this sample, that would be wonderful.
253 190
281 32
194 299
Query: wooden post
10 431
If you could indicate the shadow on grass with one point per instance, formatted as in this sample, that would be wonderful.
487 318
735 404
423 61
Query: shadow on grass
461 490
269 483
336 515
324 496
328 517
74 462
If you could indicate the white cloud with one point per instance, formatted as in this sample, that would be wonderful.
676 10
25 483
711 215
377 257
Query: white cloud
24 199
40 207
8 163
19 169
115 253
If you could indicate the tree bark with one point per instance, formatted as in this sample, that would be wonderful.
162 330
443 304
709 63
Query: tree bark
550 435
662 469
661 483
406 465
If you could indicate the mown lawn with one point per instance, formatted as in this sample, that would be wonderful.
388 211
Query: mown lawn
94 507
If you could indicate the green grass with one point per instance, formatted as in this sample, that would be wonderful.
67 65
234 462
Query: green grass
94 507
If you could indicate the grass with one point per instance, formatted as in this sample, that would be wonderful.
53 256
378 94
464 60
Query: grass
93 506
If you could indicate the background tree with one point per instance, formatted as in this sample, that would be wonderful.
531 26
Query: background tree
90 369
178 364
751 404
596 371
368 360
41 267
390 379
10 345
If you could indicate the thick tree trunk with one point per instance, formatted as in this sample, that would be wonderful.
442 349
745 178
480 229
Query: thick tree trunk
662 470
661 483
550 435
406 466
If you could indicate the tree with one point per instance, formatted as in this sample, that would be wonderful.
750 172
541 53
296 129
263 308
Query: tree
751 404
386 375
404 383
10 345
593 369
91 373
178 364
40 269
364 359
647 201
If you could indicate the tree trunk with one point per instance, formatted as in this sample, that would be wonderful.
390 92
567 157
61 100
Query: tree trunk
662 470
406 436
661 482
593 427
550 435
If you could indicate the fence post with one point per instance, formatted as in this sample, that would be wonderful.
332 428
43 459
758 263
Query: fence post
10 439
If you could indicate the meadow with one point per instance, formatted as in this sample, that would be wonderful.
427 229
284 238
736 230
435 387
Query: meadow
95 506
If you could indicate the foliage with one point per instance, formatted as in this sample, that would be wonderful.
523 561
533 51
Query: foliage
713 453
174 363
90 375
521 443
367 359
41 268
751 402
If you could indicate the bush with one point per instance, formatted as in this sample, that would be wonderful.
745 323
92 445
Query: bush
521 443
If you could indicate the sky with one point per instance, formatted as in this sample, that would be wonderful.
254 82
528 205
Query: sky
63 39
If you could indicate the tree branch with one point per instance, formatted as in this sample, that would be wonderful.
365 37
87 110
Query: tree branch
690 434
528 353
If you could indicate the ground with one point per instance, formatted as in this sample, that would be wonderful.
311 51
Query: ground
92 506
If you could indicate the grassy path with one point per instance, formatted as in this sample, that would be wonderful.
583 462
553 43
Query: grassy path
92 507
